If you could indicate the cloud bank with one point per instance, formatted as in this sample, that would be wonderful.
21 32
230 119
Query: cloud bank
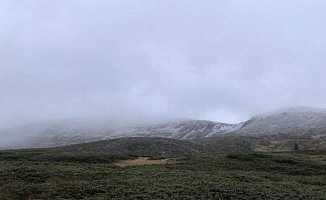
135 59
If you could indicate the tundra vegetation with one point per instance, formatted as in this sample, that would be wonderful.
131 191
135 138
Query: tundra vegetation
90 171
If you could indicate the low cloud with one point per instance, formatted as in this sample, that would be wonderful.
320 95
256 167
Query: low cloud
217 60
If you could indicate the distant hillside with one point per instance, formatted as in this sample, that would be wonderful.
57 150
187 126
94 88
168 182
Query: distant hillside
54 133
278 130
293 121
109 150
142 146
61 133
185 130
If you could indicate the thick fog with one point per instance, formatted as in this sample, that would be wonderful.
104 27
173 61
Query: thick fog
142 60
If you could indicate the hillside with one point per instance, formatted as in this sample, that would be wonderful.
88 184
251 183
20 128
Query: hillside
184 129
90 171
56 133
138 146
294 121
109 150
278 130
66 132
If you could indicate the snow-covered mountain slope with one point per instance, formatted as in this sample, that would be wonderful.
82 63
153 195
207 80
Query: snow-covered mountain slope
188 129
285 123
295 121
80 131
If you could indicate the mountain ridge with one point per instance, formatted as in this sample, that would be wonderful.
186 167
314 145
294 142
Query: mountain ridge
294 121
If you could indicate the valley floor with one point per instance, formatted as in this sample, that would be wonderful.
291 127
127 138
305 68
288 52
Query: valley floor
25 175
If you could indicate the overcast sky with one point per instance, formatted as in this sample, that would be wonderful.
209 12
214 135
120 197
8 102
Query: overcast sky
128 59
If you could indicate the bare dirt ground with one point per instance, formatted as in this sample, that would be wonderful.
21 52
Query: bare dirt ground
143 161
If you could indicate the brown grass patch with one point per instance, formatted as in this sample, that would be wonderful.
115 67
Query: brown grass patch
143 161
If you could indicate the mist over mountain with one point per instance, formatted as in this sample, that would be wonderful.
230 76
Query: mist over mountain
289 122
65 132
